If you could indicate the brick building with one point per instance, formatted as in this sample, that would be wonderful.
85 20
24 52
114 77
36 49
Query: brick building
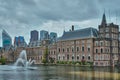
76 45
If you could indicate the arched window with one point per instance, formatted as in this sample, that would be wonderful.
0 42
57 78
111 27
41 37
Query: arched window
72 57
96 50
83 57
77 57
67 57
88 57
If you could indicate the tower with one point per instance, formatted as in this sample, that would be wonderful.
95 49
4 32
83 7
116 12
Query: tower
6 40
34 35
109 35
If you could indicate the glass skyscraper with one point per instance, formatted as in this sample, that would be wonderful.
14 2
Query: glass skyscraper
19 41
44 35
34 35
53 37
6 40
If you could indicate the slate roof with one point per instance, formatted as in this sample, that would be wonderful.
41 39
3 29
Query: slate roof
79 34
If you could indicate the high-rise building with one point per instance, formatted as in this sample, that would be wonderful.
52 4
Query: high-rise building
53 37
44 35
34 35
19 41
6 40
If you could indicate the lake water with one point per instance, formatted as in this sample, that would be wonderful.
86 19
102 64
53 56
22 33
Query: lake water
59 73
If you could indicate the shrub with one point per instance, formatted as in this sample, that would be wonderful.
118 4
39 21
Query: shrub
77 64
84 62
3 60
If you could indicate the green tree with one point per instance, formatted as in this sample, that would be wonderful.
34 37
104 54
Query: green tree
3 60
51 60
45 56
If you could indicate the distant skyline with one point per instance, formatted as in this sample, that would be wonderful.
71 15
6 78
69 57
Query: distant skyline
19 17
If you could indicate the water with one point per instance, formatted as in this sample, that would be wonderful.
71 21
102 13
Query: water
24 70
59 73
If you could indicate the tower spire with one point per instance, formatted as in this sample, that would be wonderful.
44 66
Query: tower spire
103 19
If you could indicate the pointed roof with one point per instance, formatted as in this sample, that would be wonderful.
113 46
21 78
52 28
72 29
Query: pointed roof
103 20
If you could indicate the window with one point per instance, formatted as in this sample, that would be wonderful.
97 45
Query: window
77 49
77 42
72 57
83 42
83 49
67 49
101 50
77 57
96 63
59 49
101 30
108 50
72 49
101 43
107 30
107 36
88 57
96 43
88 49
83 57
67 57
63 43
54 52
88 41
72 42
96 50
51 52
63 50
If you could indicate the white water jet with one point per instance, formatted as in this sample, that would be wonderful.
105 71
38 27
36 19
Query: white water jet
22 60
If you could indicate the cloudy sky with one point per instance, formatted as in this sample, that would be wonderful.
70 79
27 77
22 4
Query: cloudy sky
19 17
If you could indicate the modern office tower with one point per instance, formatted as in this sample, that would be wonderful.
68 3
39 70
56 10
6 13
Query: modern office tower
53 37
19 41
44 35
34 35
6 40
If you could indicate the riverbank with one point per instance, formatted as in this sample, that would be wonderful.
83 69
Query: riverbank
53 64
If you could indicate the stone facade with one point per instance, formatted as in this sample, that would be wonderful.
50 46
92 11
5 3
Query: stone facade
75 50
106 46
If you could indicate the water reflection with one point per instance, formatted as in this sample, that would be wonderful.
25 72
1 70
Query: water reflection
98 73
62 73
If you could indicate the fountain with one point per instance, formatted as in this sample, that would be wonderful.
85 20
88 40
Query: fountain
22 60
20 64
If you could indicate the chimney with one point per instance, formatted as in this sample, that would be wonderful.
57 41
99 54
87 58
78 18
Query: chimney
72 27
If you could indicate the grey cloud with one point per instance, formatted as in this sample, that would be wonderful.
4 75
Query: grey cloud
20 16
32 11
